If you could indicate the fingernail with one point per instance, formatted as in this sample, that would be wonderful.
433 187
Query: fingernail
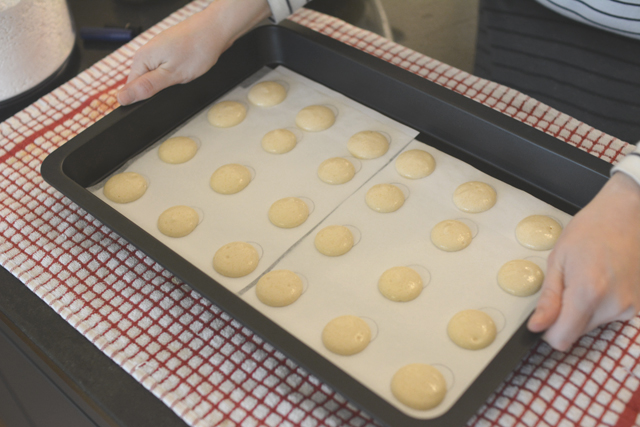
125 97
538 313
535 319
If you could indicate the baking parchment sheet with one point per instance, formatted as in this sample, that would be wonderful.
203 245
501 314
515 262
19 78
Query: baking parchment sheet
415 331
411 332
243 216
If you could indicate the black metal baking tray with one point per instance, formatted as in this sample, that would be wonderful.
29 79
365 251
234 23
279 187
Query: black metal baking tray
509 150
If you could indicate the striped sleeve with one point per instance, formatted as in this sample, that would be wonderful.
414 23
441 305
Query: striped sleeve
617 16
630 165
280 9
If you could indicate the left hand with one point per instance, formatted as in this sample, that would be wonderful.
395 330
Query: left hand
190 48
593 273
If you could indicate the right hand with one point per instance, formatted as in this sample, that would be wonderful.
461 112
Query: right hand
190 48
593 273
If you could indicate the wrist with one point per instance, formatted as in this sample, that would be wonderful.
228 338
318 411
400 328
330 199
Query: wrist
629 166
233 18
625 188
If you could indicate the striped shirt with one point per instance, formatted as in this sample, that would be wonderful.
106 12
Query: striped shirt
621 17
618 16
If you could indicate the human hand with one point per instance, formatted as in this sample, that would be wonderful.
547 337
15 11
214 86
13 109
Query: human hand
593 273
190 48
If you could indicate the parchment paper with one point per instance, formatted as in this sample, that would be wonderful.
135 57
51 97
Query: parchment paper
405 333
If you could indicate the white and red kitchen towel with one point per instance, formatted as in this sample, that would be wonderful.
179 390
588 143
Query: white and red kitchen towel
198 360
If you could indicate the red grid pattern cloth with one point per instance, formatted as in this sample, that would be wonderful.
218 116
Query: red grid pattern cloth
199 361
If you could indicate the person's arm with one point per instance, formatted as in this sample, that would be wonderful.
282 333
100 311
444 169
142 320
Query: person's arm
593 273
190 48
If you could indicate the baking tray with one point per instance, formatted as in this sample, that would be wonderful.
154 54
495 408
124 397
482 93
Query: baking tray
511 151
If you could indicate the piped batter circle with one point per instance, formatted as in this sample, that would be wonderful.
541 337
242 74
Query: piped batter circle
125 187
520 277
336 170
289 212
419 386
279 288
472 329
178 149
315 118
400 284
538 232
334 240
279 141
178 221
415 164
267 94
346 335
230 179
368 145
474 197
385 198
236 259
227 114
451 235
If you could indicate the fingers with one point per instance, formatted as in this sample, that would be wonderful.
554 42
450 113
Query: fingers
134 73
147 76
144 86
180 53
572 321
550 302
563 310
587 290
610 310
580 297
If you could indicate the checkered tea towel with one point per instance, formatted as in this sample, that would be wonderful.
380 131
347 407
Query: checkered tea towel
199 361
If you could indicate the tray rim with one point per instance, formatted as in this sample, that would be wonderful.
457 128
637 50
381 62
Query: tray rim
53 172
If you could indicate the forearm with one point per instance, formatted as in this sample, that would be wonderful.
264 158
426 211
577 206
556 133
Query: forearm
188 49
229 19
239 16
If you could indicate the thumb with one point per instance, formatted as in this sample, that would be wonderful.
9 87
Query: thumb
550 302
144 86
